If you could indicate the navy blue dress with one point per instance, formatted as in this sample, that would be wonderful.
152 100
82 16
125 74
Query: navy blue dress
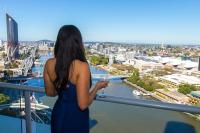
66 115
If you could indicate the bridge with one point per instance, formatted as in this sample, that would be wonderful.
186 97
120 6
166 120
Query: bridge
108 76
28 62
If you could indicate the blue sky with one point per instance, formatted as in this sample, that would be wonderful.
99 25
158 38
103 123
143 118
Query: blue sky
148 21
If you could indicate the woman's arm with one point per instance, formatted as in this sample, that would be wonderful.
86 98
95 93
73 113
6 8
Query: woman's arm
84 96
48 83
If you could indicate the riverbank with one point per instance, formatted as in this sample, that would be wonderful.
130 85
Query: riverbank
109 69
143 90
158 98
103 68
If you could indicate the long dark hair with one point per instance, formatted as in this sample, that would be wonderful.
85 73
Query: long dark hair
68 47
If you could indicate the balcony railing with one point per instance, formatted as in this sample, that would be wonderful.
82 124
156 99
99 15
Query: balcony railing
27 90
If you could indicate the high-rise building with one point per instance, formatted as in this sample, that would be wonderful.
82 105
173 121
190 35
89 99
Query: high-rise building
12 38
111 59
199 65
1 42
100 48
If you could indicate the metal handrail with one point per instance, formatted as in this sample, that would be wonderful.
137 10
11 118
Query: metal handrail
151 104
22 87
119 100
112 99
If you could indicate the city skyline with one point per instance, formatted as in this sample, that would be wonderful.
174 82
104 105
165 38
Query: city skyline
166 22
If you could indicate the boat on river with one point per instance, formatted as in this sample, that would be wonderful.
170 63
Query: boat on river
136 92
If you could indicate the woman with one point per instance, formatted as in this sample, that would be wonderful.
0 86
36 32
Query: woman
68 76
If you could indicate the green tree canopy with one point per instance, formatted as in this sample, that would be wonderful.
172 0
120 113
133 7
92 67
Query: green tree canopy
186 88
147 83
99 60
3 98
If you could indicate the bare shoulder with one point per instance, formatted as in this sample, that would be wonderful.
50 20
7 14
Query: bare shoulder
50 65
50 62
80 65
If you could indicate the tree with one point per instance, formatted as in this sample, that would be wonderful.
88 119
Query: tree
186 88
3 98
114 60
4 55
164 71
94 60
141 83
8 73
97 60
14 65
103 60
147 83
135 76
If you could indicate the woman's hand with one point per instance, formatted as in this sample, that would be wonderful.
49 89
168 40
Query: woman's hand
101 84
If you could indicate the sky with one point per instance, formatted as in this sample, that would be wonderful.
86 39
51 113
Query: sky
141 21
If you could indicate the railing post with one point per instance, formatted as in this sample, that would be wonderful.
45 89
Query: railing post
28 112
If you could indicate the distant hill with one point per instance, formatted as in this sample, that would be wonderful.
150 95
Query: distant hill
45 40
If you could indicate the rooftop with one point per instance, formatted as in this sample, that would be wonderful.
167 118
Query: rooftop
195 93
180 78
